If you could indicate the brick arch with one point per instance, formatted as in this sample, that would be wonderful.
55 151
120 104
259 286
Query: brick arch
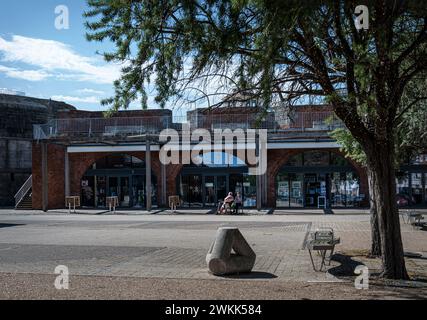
81 162
278 158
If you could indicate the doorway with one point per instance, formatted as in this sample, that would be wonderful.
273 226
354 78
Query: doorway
215 189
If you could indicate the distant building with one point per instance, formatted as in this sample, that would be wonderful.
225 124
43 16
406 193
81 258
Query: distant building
18 115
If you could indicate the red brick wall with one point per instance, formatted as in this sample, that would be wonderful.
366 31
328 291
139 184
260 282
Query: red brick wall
55 167
37 177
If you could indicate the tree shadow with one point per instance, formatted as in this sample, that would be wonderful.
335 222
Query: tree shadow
414 255
10 225
250 275
346 267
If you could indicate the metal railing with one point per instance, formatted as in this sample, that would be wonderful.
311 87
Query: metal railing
128 126
22 192
106 127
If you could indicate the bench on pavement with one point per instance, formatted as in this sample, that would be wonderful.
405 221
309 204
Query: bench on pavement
72 202
112 203
322 241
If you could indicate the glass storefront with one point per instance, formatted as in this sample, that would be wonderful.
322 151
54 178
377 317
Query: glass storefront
411 182
205 185
425 188
411 189
117 175
317 179
417 188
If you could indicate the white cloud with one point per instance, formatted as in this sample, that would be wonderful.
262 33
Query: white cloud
57 58
30 75
90 91
71 99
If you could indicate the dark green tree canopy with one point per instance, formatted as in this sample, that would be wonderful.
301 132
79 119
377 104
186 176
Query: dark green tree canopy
280 50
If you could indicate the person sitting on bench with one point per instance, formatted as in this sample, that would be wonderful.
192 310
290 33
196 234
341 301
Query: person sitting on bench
228 200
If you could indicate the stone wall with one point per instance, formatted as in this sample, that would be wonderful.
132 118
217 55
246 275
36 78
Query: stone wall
18 115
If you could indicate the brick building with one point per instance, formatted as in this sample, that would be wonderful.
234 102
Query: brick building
83 154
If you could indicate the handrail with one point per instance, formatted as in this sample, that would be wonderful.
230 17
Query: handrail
125 126
19 196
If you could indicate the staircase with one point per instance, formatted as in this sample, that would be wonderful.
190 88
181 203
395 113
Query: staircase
24 197
26 203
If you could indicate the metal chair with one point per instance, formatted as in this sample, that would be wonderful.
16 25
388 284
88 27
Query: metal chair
322 241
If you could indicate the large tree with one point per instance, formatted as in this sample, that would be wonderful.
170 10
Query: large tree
282 51
411 141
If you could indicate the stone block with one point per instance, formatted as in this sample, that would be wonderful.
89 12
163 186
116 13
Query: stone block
221 259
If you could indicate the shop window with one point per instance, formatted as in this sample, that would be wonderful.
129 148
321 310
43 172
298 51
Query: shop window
316 158
117 161
296 181
419 159
295 161
425 188
402 189
249 191
417 188
282 190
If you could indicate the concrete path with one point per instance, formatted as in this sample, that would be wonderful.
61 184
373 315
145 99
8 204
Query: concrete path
174 246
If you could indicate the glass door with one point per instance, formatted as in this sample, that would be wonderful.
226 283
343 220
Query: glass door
138 191
221 187
209 191
312 190
124 192
113 186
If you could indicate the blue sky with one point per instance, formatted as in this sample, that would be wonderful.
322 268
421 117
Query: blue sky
44 62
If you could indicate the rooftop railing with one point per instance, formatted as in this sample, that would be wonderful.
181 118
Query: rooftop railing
134 126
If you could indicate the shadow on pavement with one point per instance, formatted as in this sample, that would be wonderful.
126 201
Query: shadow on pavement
346 267
251 275
10 225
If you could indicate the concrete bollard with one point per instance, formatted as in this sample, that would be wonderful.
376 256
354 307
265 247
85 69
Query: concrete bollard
222 261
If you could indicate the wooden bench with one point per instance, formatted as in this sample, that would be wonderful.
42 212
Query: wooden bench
174 202
72 201
112 202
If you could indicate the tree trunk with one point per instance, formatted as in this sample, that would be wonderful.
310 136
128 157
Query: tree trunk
380 156
375 231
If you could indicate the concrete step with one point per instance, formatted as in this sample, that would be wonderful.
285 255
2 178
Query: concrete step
26 203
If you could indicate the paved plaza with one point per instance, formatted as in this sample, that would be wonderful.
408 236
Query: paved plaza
166 251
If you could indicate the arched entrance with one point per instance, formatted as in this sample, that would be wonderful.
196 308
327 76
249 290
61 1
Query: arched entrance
118 175
320 179
203 185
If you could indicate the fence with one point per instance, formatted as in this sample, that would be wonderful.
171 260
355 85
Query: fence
128 126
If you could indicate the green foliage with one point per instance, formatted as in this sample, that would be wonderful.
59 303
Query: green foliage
349 145
279 51
411 131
